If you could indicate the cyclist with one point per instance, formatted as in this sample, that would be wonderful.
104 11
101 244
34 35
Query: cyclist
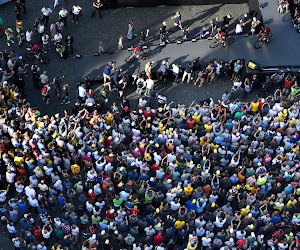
37 51
138 50
264 33
223 35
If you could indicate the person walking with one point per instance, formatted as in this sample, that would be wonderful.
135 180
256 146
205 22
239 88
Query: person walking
46 14
97 8
28 37
131 30
76 11
9 36
120 43
177 22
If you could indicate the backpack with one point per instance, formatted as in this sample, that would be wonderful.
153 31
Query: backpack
44 90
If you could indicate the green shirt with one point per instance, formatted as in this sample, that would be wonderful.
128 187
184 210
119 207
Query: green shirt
83 220
148 199
58 233
238 115
95 220
175 175
118 202
1 21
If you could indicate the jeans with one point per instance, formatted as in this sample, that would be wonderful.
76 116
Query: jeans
176 77
75 18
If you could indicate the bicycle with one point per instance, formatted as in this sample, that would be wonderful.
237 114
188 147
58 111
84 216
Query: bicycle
30 56
260 42
144 55
229 40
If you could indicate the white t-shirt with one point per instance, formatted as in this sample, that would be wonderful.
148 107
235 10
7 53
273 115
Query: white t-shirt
45 39
58 37
46 234
28 35
46 12
149 83
76 9
41 28
63 13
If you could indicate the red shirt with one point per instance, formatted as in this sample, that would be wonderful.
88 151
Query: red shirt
190 123
241 243
109 215
38 234
136 211
155 167
206 190
157 240
91 196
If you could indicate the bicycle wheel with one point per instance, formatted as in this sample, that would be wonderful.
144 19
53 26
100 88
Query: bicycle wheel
146 55
229 40
29 56
270 35
130 59
45 59
286 17
215 44
258 44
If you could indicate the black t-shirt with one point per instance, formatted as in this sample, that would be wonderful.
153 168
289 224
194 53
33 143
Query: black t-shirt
226 20
97 4
217 24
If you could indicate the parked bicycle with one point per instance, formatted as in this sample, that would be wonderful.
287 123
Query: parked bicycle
36 52
139 52
227 41
260 42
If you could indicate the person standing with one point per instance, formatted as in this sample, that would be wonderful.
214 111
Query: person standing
45 40
41 29
69 44
97 7
44 78
29 35
18 8
1 26
76 10
63 16
22 2
131 30
120 43
35 70
46 14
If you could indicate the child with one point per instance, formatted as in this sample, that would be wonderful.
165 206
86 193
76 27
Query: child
100 48
120 43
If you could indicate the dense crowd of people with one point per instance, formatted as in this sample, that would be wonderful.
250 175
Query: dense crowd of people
213 175
209 176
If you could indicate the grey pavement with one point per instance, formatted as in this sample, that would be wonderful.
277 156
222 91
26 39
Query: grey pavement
90 31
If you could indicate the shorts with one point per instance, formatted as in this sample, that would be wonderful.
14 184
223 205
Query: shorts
106 76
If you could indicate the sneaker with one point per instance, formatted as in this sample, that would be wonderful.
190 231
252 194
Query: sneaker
200 86
62 102
47 102
8 44
67 102
72 21
224 45
12 41
195 83
76 22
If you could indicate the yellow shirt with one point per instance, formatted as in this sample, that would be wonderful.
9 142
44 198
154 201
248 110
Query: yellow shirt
179 224
188 191
254 106
75 169
196 118
208 128
213 146
245 211
19 160
291 202
189 246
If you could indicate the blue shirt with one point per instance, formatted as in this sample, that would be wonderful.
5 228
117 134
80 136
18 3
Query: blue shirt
22 207
107 69
276 219
190 206
25 226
